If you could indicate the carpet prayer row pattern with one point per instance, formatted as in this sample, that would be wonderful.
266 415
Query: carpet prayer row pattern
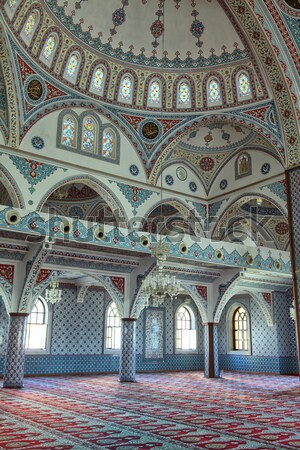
169 411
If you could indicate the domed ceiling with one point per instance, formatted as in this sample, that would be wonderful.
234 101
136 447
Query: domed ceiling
144 31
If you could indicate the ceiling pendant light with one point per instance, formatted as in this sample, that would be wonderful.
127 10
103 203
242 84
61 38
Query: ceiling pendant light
158 284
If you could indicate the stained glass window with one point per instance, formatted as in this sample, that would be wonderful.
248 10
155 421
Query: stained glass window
185 330
244 85
12 3
113 328
154 92
184 93
126 88
98 80
49 47
214 91
88 135
69 132
29 26
240 329
108 144
72 65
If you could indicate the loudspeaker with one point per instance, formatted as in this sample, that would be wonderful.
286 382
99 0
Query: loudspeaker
12 217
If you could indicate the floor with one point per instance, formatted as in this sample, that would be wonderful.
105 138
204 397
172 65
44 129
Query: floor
169 411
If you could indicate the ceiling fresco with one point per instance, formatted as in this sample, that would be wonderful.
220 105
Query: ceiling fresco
144 31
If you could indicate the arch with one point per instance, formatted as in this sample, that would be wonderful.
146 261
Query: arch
184 209
198 299
112 323
6 297
150 79
243 165
110 144
77 70
12 188
67 130
46 52
31 24
89 132
220 225
107 74
185 317
244 89
205 85
154 94
108 196
130 99
237 313
97 81
235 87
233 289
176 101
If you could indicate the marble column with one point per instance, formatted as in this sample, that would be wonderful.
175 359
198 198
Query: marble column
211 350
128 350
293 196
15 353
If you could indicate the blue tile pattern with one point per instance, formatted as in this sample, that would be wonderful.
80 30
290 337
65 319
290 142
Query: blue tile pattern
128 350
15 355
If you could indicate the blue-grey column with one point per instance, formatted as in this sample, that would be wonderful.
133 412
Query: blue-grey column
128 350
15 353
293 197
211 351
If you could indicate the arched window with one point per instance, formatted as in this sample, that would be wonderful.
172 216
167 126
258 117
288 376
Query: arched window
89 133
30 26
185 329
240 328
109 144
48 50
183 94
12 3
243 166
72 67
113 328
37 322
69 131
126 89
243 86
154 93
214 96
98 80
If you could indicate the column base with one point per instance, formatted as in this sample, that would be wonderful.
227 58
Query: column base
12 386
127 380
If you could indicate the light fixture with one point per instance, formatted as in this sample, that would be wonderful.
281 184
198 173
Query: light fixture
53 293
158 284
259 201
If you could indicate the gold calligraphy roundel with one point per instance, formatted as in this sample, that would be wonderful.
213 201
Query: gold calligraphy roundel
150 130
34 89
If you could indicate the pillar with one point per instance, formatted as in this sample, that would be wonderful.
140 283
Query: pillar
128 350
211 350
15 353
293 196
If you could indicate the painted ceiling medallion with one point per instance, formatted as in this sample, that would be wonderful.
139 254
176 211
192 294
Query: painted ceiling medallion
118 17
207 164
157 28
197 28
150 130
34 89
181 173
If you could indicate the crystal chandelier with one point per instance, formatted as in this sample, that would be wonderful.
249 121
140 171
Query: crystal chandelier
159 284
53 293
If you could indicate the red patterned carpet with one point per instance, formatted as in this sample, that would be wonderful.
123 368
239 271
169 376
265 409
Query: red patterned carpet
169 411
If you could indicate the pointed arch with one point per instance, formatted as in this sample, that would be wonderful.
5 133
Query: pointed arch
67 130
30 26
251 95
154 95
